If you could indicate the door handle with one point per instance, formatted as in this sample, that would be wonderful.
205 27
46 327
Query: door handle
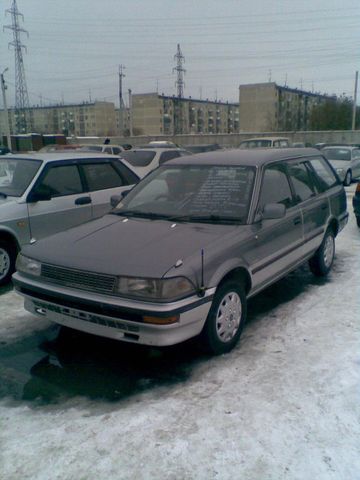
83 200
297 221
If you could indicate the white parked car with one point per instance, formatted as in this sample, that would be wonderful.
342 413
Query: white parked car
144 160
43 194
345 160
103 148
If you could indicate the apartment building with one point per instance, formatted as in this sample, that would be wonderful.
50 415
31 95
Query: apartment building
85 119
268 107
154 114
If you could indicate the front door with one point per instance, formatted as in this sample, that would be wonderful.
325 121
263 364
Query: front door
69 205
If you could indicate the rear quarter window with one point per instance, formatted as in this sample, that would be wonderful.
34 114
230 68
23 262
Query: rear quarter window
325 176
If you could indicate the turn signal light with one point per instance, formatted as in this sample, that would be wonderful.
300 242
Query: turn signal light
161 320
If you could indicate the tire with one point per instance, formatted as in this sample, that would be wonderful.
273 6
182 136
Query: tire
320 264
358 221
348 178
226 318
7 261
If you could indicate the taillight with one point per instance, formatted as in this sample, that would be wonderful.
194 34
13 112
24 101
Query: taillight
357 191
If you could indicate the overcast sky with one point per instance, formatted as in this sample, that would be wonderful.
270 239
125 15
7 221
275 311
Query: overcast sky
75 47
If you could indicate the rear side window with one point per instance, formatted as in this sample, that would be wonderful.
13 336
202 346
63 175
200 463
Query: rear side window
325 176
100 176
139 158
166 156
303 184
275 187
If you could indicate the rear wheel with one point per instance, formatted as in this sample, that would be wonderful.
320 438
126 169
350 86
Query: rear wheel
7 261
226 318
321 263
348 178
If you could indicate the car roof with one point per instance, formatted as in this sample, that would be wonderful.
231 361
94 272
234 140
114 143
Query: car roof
251 157
48 157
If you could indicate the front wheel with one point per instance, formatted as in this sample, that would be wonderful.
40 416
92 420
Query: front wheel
321 263
226 318
7 261
348 178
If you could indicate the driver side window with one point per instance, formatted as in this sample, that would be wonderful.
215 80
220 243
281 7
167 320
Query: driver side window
60 181
275 187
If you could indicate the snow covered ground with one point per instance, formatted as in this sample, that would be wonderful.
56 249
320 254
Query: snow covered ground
283 405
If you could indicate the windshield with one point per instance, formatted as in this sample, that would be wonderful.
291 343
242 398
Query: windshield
205 193
16 175
91 148
337 154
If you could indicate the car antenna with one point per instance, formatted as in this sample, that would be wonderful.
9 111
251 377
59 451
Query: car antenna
201 290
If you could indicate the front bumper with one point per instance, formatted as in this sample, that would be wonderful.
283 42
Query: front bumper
114 317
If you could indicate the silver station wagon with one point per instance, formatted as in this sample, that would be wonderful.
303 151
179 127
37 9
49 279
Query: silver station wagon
181 253
42 194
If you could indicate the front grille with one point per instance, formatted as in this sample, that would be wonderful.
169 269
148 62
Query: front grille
94 282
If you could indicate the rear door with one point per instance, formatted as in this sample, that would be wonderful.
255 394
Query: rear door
278 242
313 203
69 205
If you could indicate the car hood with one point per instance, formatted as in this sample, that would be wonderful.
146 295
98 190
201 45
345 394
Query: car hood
136 247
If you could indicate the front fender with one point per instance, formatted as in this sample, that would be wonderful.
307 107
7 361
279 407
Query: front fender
226 268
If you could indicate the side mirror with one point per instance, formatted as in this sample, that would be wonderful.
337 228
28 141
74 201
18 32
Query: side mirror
272 211
116 199
39 196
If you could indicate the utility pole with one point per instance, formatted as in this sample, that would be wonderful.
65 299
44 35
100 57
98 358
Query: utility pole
130 114
22 105
7 124
355 98
121 100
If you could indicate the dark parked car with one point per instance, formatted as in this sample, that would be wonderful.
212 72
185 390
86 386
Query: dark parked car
187 246
4 150
356 204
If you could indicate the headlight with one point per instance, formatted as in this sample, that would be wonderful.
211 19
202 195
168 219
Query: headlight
28 265
166 289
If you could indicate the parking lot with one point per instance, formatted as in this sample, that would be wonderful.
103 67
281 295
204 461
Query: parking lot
283 404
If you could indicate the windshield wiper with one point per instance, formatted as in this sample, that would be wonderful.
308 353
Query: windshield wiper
139 214
205 219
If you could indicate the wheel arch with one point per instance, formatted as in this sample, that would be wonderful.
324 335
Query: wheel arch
11 238
334 226
238 274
